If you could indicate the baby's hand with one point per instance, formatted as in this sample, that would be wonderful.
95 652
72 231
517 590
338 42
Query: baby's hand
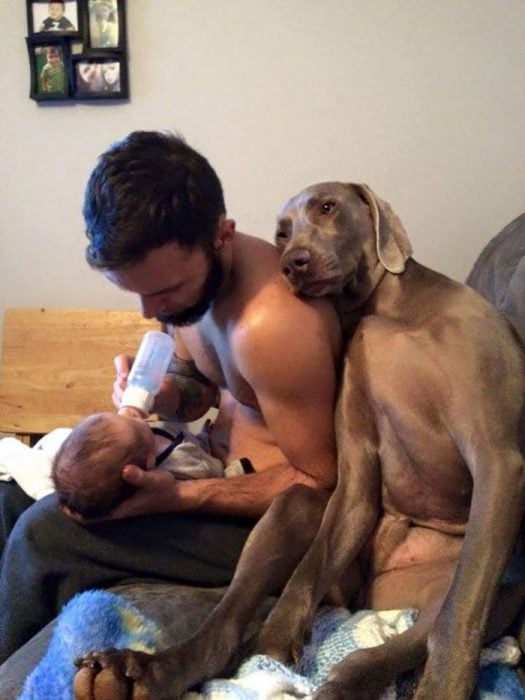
131 412
123 366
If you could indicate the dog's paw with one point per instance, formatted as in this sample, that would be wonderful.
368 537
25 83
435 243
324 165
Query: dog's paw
124 675
283 642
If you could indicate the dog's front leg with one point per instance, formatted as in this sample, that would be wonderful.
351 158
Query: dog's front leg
347 524
459 632
272 551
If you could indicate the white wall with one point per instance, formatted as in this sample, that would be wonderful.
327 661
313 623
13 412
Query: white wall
422 99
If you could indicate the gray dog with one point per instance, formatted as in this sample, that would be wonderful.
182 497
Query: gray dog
430 492
430 473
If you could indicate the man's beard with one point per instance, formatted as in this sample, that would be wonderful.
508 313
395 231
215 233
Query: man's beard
211 287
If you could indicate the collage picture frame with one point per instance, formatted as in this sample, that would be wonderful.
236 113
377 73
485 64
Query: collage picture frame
77 50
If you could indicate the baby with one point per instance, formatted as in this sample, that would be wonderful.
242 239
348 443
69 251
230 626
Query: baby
57 21
53 74
86 470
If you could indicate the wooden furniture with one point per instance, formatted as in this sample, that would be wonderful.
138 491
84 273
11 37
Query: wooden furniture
57 365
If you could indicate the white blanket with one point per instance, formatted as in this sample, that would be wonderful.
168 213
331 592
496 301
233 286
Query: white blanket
336 633
30 467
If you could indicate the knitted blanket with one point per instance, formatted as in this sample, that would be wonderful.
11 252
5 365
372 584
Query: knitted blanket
100 619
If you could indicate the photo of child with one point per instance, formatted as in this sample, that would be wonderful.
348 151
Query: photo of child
53 17
52 77
77 50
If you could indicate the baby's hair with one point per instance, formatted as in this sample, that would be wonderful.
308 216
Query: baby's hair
86 471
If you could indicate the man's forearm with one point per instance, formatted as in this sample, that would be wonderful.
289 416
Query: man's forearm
247 496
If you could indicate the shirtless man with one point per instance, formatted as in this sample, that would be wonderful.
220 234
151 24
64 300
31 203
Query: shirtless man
157 227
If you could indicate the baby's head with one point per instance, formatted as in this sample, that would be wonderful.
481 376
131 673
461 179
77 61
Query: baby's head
56 10
87 469
53 55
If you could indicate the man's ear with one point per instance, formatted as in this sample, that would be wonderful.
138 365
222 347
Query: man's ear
225 232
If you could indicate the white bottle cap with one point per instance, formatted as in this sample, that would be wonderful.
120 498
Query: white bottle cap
138 397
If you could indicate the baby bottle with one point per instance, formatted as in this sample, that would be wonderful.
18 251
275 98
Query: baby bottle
149 368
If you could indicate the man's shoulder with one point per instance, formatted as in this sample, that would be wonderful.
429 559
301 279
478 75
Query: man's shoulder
279 333
251 247
267 297
275 317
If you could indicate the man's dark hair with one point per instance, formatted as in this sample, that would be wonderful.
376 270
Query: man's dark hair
147 190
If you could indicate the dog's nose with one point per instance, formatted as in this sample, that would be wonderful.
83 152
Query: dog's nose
296 261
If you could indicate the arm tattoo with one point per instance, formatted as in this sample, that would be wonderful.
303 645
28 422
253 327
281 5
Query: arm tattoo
194 387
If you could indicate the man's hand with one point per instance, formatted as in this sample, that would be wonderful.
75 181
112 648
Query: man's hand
157 492
166 401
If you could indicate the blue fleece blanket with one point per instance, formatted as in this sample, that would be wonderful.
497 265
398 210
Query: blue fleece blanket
100 619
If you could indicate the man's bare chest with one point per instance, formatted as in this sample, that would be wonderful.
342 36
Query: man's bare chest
211 350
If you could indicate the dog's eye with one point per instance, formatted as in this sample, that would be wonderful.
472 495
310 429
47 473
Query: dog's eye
327 207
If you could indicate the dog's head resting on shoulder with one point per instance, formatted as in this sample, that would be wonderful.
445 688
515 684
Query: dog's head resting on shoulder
337 238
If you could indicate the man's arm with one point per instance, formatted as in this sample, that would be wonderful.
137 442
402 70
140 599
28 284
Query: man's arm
289 359
244 496
288 354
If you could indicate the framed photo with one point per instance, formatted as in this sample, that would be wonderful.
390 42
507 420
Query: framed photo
49 60
104 25
77 49
54 18
100 75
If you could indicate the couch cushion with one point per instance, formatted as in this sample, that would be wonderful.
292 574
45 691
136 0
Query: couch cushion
499 273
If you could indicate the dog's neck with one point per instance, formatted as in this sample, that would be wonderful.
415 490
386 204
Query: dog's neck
352 303
393 296
382 293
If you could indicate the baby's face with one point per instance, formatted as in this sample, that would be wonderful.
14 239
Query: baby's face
54 58
56 10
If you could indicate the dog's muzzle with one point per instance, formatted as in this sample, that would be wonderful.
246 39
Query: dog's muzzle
309 274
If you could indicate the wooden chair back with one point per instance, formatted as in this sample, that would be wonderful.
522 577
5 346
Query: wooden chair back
57 365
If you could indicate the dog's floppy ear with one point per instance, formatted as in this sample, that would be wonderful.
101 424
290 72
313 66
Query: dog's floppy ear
392 244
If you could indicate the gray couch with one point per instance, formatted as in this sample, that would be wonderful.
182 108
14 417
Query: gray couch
498 274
